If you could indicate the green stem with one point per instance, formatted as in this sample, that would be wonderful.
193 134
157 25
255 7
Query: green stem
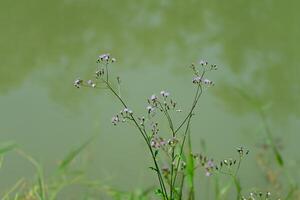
197 96
162 185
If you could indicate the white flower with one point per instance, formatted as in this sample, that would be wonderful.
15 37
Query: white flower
126 110
153 97
207 82
104 56
150 109
165 94
90 82
203 62
197 79
115 120
77 83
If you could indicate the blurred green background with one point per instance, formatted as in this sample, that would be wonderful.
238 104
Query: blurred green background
45 45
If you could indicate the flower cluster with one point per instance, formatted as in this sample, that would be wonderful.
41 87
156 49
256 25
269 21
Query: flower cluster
78 82
124 114
105 58
258 195
204 63
242 151
199 78
99 73
157 142
164 103
227 162
227 166
154 128
207 164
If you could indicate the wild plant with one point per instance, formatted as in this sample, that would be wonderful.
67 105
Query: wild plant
180 166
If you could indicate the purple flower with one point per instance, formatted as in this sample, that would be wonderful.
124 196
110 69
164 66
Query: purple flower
210 164
104 57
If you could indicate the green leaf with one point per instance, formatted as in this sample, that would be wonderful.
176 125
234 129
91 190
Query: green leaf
278 157
7 147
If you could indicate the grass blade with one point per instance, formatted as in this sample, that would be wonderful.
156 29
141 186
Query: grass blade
74 153
7 147
41 182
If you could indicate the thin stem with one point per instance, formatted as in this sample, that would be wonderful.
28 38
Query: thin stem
181 149
181 186
162 185
271 138
166 113
236 181
172 172
197 96
106 64
153 157
188 118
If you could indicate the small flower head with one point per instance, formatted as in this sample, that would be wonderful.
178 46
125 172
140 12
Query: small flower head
115 120
164 94
208 173
104 57
78 82
197 80
210 163
213 67
153 98
203 62
208 82
126 112
157 142
149 109
91 83
173 141
99 73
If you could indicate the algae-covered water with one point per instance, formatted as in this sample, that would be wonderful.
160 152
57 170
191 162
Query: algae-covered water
45 45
